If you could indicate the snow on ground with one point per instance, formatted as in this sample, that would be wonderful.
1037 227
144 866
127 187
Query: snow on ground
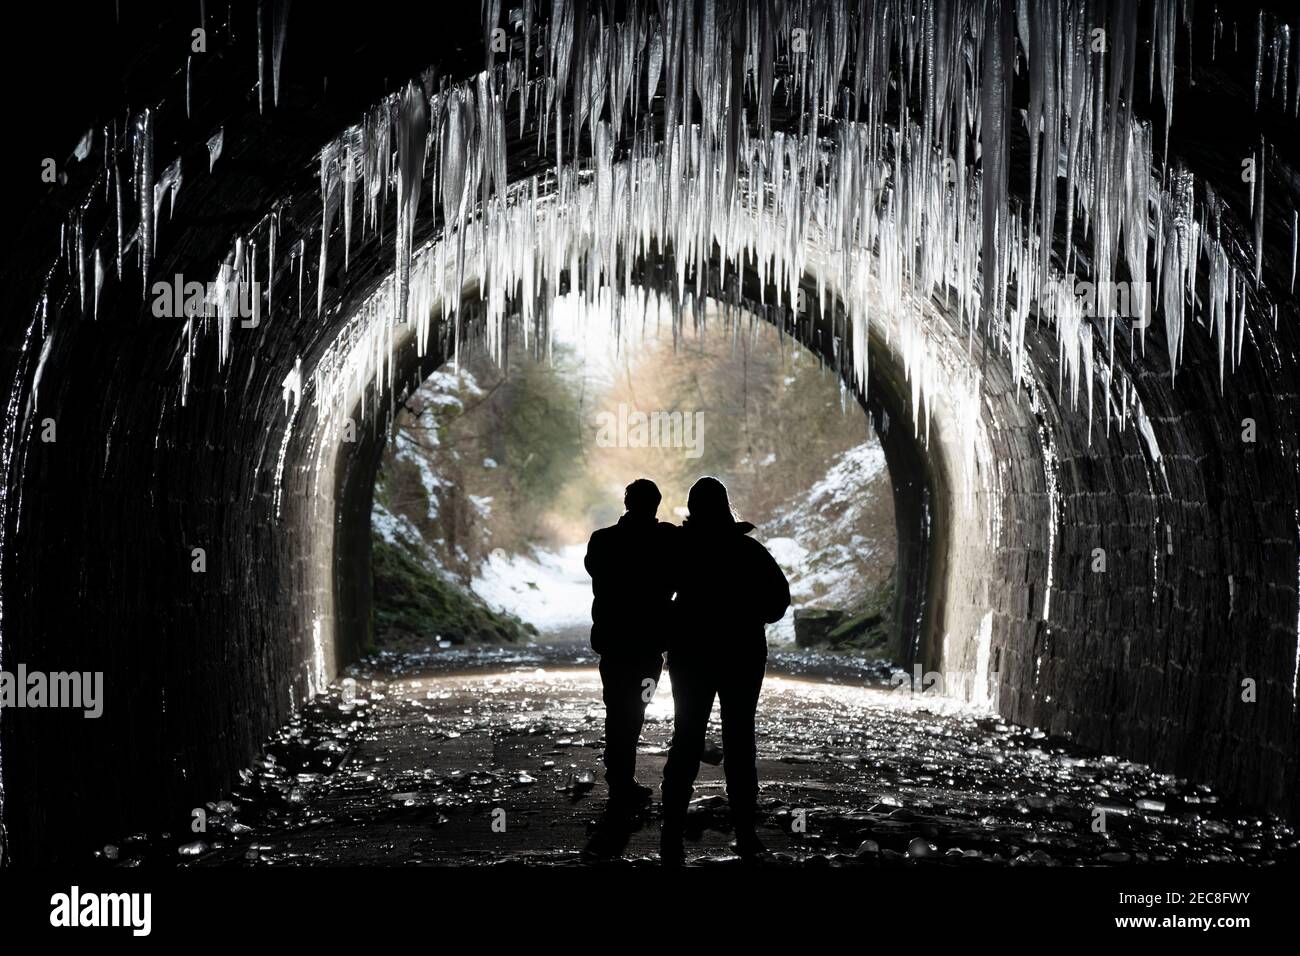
551 589
845 478
394 529
548 589
410 451
788 552
826 574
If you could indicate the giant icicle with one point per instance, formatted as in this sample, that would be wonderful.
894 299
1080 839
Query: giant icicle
867 145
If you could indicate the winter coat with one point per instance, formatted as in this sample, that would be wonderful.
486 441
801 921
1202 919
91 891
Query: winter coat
728 586
630 564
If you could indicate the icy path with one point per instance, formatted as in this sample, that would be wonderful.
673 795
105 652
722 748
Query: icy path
428 753
548 589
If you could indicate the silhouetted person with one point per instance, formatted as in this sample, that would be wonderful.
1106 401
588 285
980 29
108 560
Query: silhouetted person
728 586
630 578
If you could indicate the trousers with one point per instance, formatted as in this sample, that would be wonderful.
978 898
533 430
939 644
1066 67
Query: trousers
736 683
623 678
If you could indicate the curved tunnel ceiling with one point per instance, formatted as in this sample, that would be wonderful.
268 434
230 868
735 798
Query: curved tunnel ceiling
940 198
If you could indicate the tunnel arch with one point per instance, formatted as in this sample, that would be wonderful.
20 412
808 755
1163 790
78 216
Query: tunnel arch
1128 661
886 399
942 618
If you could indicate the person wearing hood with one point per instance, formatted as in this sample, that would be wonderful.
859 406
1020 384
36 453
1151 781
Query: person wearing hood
728 586
630 570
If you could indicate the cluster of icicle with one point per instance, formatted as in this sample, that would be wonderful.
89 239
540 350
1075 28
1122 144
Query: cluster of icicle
865 144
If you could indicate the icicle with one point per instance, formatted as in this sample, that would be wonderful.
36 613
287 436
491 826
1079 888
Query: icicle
995 104
142 140
1295 236
99 281
1259 56
168 185
351 148
79 242
301 256
293 387
1261 174
84 145
889 189
456 186
412 136
280 27
215 142
118 204
261 58
273 230
330 175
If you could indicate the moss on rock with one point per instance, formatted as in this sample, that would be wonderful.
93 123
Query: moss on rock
416 607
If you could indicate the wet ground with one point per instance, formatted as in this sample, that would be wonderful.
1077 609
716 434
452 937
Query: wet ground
492 755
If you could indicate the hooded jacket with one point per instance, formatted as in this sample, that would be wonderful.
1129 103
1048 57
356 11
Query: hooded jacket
728 586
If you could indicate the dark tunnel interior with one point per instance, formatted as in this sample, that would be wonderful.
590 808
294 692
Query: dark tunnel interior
1019 443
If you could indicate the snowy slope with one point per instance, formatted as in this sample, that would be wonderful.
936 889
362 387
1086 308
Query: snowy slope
837 541
548 589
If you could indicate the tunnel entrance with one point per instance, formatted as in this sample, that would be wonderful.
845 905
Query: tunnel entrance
920 428
493 479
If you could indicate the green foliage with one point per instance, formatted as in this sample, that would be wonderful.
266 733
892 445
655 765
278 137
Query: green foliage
414 606
540 432
507 446
869 626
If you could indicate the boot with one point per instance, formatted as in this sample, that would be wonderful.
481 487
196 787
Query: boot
629 796
671 849
746 845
